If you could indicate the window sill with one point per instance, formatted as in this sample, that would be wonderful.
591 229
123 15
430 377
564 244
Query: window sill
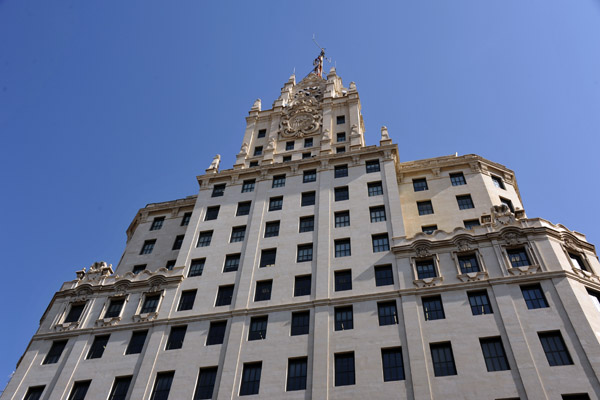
525 270
428 282
66 326
473 276
111 321
145 317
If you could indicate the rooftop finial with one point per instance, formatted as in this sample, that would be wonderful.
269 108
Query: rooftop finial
318 63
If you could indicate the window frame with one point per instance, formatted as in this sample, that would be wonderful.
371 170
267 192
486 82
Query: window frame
384 280
219 300
376 210
342 280
385 318
565 359
340 171
375 188
157 223
205 385
204 238
257 327
380 247
193 270
344 376
232 262
537 302
187 298
425 207
275 203
217 331
164 393
415 261
272 228
296 375
176 337
304 257
308 198
300 316
342 247
238 234
465 202
305 283
145 298
263 290
479 308
306 219
497 361
241 208
343 315
250 380
443 367
458 179
433 314
309 175
372 166
265 257
278 181
218 190
212 213
395 371
341 193
248 185
420 184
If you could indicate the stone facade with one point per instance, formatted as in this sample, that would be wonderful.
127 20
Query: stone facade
368 271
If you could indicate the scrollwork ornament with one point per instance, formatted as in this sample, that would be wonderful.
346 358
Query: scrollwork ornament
422 251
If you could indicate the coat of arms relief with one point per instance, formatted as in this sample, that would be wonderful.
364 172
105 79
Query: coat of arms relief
303 115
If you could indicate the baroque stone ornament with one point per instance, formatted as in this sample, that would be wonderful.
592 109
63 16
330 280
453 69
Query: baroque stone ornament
502 215
422 251
303 117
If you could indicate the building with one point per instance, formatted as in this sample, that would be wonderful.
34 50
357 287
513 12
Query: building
319 267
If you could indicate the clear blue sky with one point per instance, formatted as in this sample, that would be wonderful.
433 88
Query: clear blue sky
106 106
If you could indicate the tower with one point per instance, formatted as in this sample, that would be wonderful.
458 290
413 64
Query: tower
320 267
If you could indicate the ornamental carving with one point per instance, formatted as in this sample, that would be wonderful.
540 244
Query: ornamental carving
502 215
512 238
422 251
302 116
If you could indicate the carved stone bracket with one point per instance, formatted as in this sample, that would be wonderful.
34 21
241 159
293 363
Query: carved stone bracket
436 171
513 238
525 270
473 276
429 282
66 326
144 317
108 321
585 274
422 251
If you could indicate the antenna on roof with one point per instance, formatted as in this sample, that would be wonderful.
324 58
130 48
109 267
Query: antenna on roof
318 63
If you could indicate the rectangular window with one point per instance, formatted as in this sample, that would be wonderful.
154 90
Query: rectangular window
309 176
494 354
232 262
457 179
343 280
534 296
300 323
518 257
375 189
383 275
429 229
248 185
114 307
344 369
497 181
468 263
216 333
162 385
250 378
243 208
340 171
420 185
305 252
393 365
119 389
307 224
258 328
306 155
341 137
464 202
212 213
218 190
278 181
387 313
341 193
267 258
136 343
75 312
308 142
381 242
577 396
55 351
302 285
170 265
186 302
480 302
289 145
287 158
341 149
263 290
342 247
342 218
377 213
206 383
595 297
372 166
178 242
204 239
261 133
79 390
196 267
275 203
508 204
433 308
185 221
176 337
148 246
238 233
443 359
344 318
577 261
425 207
253 164
471 223
157 223
339 120
425 269
258 151
98 346
150 304
35 393
555 348
224 295
297 372
308 199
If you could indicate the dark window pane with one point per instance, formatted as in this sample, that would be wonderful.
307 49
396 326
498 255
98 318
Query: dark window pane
425 269
114 308
471 223
534 296
34 393
377 213
305 252
248 185
176 337
457 179
120 388
433 308
224 295
297 372
170 265
218 190
261 133
340 171
206 383
493 354
518 257
289 145
577 261
420 185
340 119
384 275
342 218
393 365
375 188
443 359
342 247
268 258
498 182
157 223
380 243
429 229
300 323
308 142
250 378
204 239
79 390
263 290
258 328
555 348
197 267
372 166
243 208
343 280
344 318
212 213
98 346
162 385
216 333
308 199
468 263
148 246
480 303
138 268
464 202
55 351
278 181
136 343
150 303
232 262
275 203
186 302
310 176
238 233
75 312
307 224
344 369
387 313
258 151
302 285
508 204
425 207
178 242
341 137
341 193
185 221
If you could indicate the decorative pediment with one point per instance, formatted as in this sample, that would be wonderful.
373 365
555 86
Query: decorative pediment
512 237
464 243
